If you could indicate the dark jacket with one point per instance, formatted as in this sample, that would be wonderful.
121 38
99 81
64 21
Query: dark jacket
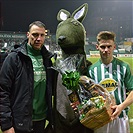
16 89
2 57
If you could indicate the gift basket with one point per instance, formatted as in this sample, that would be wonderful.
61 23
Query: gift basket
92 100
96 112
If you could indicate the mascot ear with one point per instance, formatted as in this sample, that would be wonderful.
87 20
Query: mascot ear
63 15
80 13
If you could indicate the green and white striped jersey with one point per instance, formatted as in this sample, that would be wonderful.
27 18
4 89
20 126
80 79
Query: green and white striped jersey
117 71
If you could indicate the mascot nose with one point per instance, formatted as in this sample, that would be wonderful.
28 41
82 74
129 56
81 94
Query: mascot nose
61 38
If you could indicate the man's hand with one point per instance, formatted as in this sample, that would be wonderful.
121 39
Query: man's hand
116 111
11 130
74 106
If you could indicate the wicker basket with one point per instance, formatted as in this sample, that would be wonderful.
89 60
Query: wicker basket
96 118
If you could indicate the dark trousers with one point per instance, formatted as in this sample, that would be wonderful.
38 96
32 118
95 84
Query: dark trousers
38 127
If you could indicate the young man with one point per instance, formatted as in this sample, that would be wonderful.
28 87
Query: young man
110 70
26 85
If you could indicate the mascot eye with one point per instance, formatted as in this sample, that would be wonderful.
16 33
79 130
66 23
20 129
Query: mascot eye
75 22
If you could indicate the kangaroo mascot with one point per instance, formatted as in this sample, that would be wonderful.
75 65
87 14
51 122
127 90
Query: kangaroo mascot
70 36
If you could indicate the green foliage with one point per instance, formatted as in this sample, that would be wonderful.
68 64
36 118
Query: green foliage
71 79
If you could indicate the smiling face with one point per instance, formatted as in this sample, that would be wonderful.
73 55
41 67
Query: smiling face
36 37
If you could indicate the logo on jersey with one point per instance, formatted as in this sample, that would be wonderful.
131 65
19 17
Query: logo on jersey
109 84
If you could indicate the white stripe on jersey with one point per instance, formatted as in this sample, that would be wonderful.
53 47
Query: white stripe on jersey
102 71
96 75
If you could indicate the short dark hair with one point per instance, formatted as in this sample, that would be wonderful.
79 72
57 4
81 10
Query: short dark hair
106 35
37 23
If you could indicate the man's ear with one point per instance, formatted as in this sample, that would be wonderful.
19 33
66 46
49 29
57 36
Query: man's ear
27 34
114 46
97 47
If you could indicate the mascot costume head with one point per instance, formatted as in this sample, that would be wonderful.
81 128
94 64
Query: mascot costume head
70 36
